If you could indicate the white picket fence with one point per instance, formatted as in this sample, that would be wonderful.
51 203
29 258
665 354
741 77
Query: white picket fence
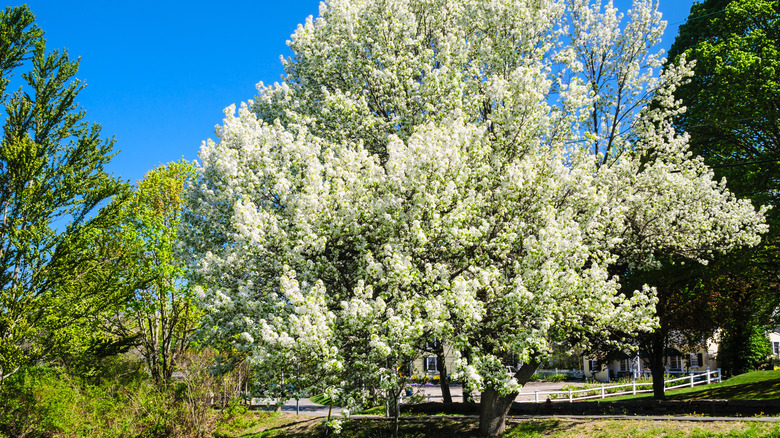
603 391
633 388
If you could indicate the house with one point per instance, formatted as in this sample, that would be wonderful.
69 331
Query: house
774 342
636 364
427 364
676 361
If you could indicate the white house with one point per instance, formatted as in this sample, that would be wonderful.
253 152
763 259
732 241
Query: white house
636 364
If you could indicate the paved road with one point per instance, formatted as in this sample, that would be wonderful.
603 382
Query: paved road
430 393
307 407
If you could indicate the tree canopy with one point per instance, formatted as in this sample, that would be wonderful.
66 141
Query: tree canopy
732 119
466 171
52 184
160 316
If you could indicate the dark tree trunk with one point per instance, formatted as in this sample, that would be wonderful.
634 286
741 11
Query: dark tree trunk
494 408
444 379
655 353
526 371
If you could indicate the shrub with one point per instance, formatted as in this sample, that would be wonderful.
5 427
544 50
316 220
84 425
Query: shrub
555 377
46 401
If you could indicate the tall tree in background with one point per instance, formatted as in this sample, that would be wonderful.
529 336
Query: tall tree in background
733 119
52 183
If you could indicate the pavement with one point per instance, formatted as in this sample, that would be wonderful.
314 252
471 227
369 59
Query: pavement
430 393
305 406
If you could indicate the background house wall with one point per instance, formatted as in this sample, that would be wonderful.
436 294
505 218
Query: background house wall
677 362
422 365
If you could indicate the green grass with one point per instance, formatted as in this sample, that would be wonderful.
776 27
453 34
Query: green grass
321 399
638 429
755 385
376 410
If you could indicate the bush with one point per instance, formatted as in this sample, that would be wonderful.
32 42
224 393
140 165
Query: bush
46 401
42 401
548 377
556 377
744 351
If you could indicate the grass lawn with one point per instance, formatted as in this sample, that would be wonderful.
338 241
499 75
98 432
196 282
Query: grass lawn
262 425
755 385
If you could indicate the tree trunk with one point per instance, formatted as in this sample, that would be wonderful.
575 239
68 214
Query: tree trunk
655 353
394 408
392 403
444 379
493 409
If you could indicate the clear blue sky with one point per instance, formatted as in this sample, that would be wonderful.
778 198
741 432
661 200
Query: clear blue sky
160 73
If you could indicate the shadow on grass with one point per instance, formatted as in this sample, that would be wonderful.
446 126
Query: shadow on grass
375 428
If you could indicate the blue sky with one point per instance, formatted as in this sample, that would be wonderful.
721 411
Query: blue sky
160 73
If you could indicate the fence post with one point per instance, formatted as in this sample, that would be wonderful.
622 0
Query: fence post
570 399
634 386
536 396
709 376
691 380
720 375
602 390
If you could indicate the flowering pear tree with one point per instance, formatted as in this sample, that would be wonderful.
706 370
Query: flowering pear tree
465 170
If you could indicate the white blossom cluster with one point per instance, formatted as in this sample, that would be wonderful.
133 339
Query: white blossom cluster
460 170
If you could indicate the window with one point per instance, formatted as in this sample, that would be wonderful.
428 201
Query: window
623 364
695 360
776 348
675 363
593 365
430 363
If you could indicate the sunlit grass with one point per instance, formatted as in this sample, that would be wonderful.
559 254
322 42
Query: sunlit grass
755 385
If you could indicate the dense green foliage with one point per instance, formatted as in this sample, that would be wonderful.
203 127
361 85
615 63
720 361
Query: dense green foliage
733 111
733 103
45 401
744 351
161 315
54 269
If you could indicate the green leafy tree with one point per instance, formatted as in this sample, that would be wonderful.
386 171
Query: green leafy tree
733 103
161 315
52 184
